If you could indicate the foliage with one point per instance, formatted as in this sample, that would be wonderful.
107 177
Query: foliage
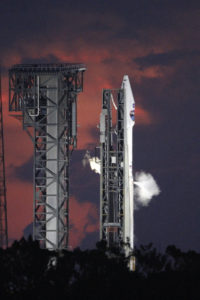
28 272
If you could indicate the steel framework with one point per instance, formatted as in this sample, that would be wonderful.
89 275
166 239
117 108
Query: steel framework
112 178
46 97
3 202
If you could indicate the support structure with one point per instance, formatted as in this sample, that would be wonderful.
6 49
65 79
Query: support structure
116 178
46 97
3 202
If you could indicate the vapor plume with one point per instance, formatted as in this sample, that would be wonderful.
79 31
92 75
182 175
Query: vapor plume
145 185
146 188
94 162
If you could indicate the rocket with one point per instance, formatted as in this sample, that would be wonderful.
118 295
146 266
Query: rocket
116 167
129 121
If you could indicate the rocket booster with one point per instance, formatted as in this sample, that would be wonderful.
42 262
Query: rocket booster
116 174
129 121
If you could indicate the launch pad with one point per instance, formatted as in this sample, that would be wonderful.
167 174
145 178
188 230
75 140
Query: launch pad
44 97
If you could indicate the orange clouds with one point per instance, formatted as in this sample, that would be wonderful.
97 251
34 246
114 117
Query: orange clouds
18 145
142 116
106 65
19 207
88 118
83 216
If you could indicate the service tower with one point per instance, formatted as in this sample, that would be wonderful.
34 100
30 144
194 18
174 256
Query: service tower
116 179
45 98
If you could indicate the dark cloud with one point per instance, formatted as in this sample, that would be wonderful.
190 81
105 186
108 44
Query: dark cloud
23 23
50 58
84 182
166 59
23 172
108 61
28 230
171 218
89 242
157 44
82 177
171 155
95 134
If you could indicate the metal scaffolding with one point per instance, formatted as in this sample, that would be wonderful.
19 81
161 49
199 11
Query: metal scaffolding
112 178
46 97
3 202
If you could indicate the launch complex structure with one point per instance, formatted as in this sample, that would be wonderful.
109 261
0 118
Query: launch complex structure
116 175
44 97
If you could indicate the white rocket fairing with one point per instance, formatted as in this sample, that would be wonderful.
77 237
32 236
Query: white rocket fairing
129 121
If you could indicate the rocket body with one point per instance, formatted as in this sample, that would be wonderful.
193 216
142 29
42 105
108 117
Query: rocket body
129 121
116 174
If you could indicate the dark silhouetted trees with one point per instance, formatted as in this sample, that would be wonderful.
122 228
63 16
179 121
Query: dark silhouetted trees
28 272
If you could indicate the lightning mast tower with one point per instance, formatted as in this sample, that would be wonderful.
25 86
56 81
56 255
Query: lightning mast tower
45 96
116 177
3 202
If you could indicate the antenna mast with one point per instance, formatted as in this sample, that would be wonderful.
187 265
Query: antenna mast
3 202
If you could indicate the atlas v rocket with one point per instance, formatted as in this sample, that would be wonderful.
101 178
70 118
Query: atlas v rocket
116 177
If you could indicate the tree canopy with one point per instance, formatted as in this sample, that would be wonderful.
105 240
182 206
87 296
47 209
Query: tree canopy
29 272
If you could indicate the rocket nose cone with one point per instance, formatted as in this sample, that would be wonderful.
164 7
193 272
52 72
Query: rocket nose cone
128 90
125 78
125 81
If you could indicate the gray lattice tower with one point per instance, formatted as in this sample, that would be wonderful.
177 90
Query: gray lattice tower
46 97
3 203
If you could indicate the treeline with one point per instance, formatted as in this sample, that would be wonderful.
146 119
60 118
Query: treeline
28 272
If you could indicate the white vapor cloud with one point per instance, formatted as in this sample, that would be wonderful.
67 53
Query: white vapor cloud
94 162
145 185
145 188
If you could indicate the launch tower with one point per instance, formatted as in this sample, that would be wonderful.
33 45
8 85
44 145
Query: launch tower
116 177
45 98
3 203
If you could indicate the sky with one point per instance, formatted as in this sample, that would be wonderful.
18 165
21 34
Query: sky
156 43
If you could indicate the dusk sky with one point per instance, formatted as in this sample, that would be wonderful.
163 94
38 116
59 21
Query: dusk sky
156 43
